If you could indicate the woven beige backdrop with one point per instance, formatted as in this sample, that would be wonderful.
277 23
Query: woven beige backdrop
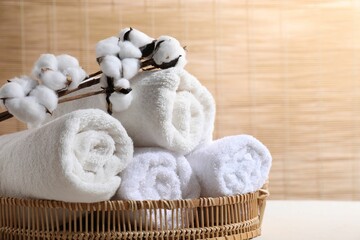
287 72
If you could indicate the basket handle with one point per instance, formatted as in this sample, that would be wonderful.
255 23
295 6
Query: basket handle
263 194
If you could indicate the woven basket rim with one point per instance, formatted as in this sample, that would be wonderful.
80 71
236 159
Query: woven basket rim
238 216
111 205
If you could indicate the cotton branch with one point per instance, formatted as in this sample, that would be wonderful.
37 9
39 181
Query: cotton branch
91 80
120 59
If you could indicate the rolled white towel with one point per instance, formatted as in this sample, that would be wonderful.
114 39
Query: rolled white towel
170 109
74 158
231 165
155 174
158 174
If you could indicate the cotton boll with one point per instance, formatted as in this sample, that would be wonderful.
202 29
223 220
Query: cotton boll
128 50
66 61
11 90
108 46
46 97
27 110
120 101
168 49
82 73
26 83
111 66
130 67
47 60
121 83
54 80
136 37
76 75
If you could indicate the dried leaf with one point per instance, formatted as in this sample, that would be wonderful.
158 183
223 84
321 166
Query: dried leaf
127 35
170 64
148 49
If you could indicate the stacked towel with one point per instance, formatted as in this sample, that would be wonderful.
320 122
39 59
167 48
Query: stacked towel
231 165
170 109
74 158
156 174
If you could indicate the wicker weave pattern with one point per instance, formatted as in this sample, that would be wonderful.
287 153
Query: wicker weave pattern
205 218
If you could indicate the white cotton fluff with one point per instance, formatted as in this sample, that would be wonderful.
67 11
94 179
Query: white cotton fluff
120 101
66 61
121 83
168 50
11 90
76 74
136 37
54 80
108 46
44 61
47 60
130 67
35 72
111 66
128 50
26 83
27 110
46 97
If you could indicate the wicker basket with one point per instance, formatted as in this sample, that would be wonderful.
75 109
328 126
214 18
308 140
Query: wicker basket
237 216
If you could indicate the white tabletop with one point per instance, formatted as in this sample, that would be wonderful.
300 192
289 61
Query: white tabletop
292 220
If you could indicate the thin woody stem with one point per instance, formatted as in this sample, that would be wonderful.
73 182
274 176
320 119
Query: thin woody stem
149 68
68 99
93 75
147 63
5 115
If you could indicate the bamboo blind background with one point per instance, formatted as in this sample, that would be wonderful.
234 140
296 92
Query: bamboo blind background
287 72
